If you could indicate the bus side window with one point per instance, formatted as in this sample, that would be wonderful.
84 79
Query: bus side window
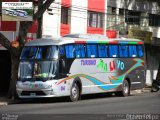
69 51
80 51
132 51
91 51
140 50
102 51
113 50
123 51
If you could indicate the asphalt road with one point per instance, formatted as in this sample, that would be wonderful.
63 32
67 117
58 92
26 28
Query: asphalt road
144 103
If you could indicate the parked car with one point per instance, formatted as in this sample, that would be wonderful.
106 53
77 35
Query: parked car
155 85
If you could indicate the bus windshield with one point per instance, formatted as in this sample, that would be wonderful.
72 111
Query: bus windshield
37 69
38 62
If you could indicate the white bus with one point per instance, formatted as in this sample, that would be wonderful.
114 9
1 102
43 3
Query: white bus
11 12
21 13
76 65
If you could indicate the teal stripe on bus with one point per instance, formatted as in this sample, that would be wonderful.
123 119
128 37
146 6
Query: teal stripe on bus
92 41
123 42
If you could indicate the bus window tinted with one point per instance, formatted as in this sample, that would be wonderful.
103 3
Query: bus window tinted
69 51
102 50
29 53
91 51
61 50
80 51
140 50
47 52
132 51
113 50
123 51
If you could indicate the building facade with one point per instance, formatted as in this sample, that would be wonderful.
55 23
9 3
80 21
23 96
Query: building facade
73 16
134 14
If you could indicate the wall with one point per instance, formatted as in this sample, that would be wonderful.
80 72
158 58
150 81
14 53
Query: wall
51 23
79 16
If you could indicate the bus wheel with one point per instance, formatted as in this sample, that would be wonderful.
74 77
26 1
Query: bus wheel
125 88
74 93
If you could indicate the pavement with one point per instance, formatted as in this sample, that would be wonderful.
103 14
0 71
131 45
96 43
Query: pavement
5 101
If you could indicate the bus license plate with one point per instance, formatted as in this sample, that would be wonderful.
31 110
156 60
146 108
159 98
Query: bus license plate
32 94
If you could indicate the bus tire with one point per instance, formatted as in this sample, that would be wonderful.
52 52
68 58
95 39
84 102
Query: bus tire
125 89
74 93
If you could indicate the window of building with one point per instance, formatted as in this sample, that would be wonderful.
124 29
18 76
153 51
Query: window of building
154 20
91 51
113 10
121 11
64 15
132 17
95 19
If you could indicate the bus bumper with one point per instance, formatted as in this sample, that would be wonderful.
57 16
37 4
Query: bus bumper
36 89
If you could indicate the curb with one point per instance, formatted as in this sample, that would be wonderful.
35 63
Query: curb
3 103
144 90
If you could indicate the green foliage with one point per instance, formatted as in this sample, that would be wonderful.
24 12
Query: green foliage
29 11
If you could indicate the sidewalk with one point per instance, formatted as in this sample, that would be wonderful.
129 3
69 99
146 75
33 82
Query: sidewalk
147 89
5 101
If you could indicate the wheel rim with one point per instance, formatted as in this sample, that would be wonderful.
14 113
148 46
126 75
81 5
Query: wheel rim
74 92
126 87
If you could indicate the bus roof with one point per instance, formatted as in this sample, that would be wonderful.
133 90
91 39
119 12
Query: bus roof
10 10
21 11
68 40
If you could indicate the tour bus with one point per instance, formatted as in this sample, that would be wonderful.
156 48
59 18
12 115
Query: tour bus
21 13
76 65
11 12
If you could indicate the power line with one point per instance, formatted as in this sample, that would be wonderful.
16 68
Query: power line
86 8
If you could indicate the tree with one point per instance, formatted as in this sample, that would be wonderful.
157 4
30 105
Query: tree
15 47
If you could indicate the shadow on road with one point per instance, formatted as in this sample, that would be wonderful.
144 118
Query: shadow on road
66 99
